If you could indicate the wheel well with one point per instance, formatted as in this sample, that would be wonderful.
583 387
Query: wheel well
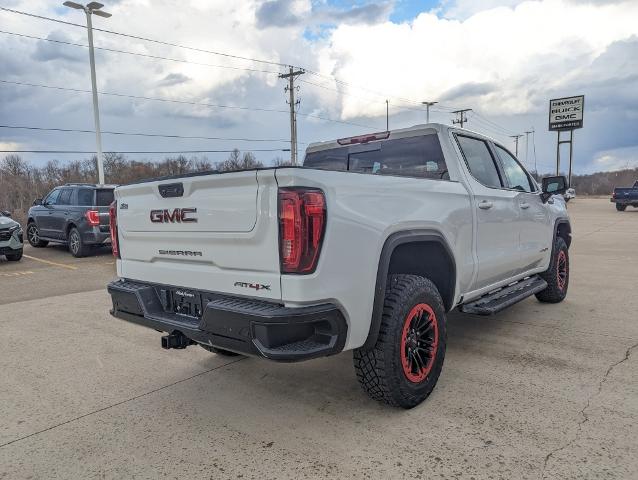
416 252
68 229
428 259
564 230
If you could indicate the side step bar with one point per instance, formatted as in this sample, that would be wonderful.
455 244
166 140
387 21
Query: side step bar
502 298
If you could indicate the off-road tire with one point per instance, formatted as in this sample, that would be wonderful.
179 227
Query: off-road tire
76 245
621 208
33 237
219 351
557 275
14 257
380 369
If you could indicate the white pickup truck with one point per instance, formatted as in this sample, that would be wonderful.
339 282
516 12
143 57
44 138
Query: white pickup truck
364 248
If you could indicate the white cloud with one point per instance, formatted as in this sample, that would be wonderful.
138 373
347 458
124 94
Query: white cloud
617 159
523 53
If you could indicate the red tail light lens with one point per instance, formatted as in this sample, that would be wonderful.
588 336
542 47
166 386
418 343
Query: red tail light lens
302 222
93 217
115 244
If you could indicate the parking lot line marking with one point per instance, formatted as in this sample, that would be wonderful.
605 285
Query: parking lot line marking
15 274
55 264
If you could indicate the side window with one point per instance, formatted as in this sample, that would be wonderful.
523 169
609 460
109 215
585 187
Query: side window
515 176
52 198
65 196
85 197
479 161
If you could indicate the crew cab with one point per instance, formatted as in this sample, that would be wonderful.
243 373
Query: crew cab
75 214
625 196
365 247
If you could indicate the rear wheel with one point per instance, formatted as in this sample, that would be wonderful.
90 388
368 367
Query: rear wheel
219 351
402 368
14 257
557 275
620 208
33 236
76 244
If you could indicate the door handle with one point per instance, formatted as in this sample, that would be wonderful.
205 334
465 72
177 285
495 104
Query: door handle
524 205
485 205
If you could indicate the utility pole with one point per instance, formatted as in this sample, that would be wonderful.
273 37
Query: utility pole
387 116
290 88
516 137
427 110
462 118
534 145
89 10
527 146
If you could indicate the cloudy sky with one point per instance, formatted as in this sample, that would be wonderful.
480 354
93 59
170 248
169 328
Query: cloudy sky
503 58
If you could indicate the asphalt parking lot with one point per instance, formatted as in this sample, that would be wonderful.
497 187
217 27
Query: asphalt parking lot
539 391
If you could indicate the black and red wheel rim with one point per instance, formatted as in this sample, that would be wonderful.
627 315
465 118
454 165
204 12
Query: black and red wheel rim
419 342
561 270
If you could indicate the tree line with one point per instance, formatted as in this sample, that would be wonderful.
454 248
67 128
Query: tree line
21 182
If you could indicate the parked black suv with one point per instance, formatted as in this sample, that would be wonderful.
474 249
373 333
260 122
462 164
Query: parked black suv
75 214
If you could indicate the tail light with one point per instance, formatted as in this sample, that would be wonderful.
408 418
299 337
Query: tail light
302 222
93 217
115 244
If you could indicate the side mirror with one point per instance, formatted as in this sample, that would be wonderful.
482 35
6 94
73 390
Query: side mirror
553 186
37 201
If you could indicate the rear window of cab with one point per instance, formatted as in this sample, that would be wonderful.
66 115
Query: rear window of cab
419 156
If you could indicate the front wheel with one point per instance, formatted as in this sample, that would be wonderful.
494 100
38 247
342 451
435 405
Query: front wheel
557 275
620 208
402 368
14 257
33 236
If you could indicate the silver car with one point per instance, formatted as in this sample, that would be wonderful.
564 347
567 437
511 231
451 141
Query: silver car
10 237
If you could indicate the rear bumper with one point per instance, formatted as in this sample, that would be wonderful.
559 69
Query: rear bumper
251 327
624 201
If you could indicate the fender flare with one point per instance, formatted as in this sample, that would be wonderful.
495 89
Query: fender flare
557 224
391 243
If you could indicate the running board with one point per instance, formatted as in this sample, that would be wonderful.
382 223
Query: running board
502 298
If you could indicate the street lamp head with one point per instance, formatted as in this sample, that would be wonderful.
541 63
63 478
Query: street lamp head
100 13
73 5
94 6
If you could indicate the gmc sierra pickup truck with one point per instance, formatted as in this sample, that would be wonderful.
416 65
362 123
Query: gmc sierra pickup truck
365 248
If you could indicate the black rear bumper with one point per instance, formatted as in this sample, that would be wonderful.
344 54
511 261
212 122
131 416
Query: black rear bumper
247 326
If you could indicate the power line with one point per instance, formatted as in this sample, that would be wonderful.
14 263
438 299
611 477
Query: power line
183 102
461 116
145 55
143 151
143 134
137 37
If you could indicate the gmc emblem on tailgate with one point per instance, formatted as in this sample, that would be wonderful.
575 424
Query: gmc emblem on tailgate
177 215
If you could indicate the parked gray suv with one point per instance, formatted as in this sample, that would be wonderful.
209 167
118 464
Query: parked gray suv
75 214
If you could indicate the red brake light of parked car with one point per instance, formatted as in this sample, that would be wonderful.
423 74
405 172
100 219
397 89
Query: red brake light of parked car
302 222
363 138
93 217
115 244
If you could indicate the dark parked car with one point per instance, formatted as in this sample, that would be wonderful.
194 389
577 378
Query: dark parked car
625 196
74 214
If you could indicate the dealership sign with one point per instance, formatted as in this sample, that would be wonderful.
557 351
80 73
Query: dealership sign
566 113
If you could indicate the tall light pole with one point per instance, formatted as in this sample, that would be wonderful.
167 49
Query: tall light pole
427 110
90 9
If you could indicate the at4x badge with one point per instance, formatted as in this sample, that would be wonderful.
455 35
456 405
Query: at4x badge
255 286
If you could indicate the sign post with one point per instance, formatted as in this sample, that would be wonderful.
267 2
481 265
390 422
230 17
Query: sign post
566 114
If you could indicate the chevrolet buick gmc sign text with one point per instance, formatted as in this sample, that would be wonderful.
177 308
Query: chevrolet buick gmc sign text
566 113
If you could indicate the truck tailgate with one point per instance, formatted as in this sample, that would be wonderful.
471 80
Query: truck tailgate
215 232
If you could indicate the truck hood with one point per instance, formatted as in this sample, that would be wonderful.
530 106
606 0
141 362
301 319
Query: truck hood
6 222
